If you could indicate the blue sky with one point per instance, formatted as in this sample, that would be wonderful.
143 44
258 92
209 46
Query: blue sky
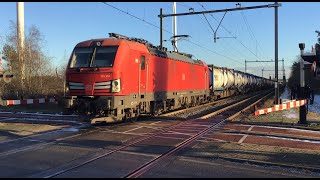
64 24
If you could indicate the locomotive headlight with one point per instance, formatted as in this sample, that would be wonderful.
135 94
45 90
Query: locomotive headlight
116 86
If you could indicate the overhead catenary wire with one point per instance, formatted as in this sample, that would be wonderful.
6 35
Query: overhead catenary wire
232 35
252 36
230 32
212 31
250 29
257 43
172 33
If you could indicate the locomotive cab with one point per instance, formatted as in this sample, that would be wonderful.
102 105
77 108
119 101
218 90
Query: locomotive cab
103 77
90 71
92 79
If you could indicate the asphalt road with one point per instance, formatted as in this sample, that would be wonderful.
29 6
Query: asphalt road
47 154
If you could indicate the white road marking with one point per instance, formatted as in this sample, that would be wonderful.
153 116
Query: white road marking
172 132
242 139
142 154
285 128
155 122
133 129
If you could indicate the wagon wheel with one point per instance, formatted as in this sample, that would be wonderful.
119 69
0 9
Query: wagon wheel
136 117
157 110
130 116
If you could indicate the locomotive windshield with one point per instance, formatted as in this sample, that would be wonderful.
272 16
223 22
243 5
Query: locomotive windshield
93 57
81 57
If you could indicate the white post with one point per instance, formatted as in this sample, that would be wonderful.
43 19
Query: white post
175 26
20 34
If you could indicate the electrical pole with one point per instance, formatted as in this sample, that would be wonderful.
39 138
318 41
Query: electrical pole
245 66
175 47
276 53
283 71
302 109
20 34
161 30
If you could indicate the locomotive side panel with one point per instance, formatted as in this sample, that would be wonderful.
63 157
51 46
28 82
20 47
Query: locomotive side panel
172 75
171 79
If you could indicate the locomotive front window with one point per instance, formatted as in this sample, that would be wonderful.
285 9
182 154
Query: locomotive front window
93 57
81 57
104 56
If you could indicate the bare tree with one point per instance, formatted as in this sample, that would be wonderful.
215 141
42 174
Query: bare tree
40 75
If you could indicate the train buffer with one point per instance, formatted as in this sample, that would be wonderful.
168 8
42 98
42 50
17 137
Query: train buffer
280 107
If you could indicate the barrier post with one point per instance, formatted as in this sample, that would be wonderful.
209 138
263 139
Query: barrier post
302 109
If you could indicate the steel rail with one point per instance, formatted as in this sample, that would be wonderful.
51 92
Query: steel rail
146 167
70 166
248 107
195 107
152 163
226 108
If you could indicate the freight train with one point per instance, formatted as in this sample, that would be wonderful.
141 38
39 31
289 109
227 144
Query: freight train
119 78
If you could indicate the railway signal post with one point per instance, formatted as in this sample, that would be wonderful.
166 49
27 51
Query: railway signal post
302 109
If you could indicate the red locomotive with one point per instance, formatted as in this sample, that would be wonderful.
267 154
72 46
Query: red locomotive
119 78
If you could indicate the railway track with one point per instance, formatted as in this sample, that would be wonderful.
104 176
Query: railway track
191 130
203 125
196 107
199 111
191 112
41 118
144 168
